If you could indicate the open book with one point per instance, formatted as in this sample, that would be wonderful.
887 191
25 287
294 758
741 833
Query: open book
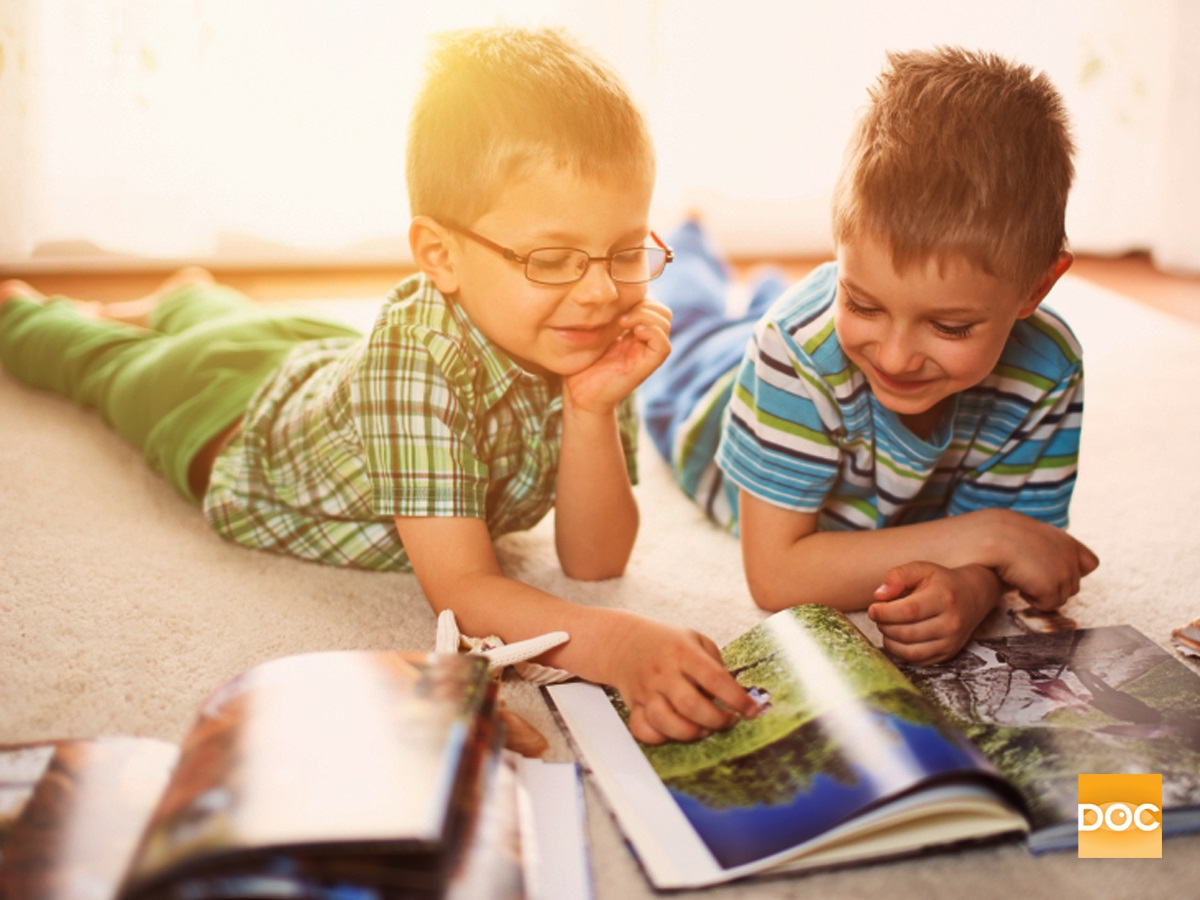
852 759
344 773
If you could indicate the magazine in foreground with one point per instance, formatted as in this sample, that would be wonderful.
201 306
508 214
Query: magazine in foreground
339 774
852 760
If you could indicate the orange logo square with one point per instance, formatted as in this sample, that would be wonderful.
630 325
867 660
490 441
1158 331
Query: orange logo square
1120 816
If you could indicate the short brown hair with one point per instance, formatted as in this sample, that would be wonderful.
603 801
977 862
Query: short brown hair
497 102
960 154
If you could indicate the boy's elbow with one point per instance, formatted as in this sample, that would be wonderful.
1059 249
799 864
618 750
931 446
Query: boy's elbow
773 593
594 563
593 571
769 595
765 602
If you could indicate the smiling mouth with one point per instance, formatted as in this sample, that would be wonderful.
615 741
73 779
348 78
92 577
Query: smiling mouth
582 330
582 326
901 384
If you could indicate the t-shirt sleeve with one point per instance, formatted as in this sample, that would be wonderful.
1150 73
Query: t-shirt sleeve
777 441
413 403
1034 472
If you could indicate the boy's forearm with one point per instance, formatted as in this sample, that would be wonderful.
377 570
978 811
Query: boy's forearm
843 568
670 677
494 604
596 515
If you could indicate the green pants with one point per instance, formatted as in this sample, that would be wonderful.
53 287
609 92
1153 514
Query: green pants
170 388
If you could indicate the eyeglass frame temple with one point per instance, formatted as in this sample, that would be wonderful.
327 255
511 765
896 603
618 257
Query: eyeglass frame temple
670 251
507 252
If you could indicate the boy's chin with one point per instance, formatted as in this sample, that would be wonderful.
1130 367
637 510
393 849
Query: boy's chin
561 368
551 371
908 402
902 408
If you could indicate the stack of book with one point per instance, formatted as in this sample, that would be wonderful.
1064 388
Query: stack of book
345 774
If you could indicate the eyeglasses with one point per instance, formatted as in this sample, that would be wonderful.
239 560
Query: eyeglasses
566 265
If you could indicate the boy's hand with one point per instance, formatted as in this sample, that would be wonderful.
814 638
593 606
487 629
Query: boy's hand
927 612
641 348
673 681
1044 563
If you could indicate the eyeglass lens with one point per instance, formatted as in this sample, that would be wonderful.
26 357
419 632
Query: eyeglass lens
558 265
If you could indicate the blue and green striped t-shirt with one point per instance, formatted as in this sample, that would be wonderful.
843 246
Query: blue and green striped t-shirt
798 426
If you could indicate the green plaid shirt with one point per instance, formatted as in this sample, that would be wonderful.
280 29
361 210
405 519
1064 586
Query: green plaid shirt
423 416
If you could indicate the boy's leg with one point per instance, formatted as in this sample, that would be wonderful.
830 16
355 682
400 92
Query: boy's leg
211 370
47 344
696 284
189 302
706 342
768 287
140 311
59 345
168 394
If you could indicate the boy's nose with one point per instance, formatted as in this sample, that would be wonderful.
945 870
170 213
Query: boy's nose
596 286
896 355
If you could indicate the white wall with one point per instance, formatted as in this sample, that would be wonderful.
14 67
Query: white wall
273 129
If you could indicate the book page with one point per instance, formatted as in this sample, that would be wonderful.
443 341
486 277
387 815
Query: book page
72 812
489 861
840 736
1047 707
554 829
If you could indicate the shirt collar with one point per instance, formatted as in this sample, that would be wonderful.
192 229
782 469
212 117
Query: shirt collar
502 370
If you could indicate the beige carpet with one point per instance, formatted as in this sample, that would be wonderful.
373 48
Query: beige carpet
119 610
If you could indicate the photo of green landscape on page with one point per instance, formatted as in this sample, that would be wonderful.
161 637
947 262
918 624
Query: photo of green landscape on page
841 731
855 759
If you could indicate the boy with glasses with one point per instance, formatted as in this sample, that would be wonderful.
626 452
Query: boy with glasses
899 431
495 385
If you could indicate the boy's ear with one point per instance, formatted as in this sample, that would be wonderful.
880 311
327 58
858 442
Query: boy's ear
1046 282
434 253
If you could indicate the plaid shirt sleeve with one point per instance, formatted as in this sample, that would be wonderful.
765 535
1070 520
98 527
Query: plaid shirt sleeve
413 401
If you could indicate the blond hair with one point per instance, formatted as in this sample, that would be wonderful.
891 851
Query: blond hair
960 154
499 102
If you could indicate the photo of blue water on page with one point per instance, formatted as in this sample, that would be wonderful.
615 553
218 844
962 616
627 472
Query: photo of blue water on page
840 731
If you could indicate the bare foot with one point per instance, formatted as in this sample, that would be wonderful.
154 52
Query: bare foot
15 288
137 312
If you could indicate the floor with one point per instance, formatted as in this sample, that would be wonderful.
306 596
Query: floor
1133 276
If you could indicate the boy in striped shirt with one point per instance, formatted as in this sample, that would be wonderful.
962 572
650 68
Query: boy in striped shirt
495 385
901 433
